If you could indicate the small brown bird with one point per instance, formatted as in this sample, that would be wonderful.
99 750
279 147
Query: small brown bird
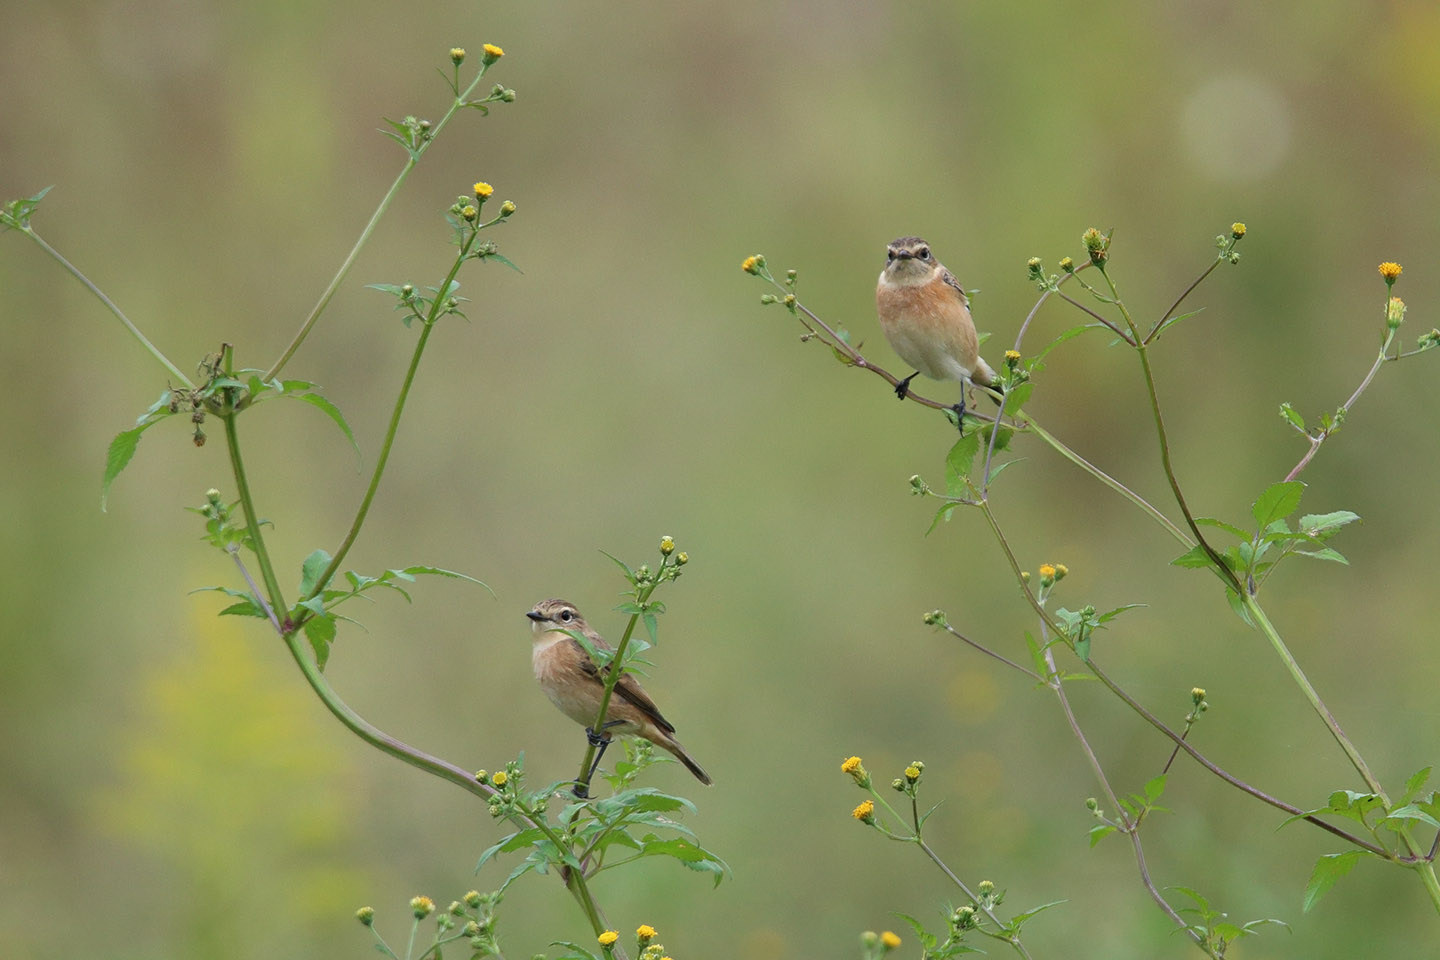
925 315
575 684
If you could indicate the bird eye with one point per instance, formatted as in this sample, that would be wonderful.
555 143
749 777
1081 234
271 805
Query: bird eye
923 253
889 254
565 615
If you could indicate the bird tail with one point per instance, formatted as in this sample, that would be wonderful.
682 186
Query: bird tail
985 376
673 745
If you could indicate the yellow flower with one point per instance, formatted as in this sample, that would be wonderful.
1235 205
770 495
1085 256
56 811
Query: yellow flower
481 775
608 938
1047 572
1390 270
423 907
469 212
492 53
499 778
644 932
682 558
851 765
1061 571
1237 230
890 940
483 190
1067 264
865 813
1197 694
365 915
667 545
912 773
751 265
457 55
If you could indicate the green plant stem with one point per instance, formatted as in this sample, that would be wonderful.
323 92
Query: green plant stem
1323 435
410 162
1257 615
247 503
110 305
1188 290
1225 573
1105 478
612 677
410 946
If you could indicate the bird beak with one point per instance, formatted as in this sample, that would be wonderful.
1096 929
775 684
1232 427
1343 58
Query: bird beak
537 616
903 255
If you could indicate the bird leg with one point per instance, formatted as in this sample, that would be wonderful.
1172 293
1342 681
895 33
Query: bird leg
600 741
959 409
903 387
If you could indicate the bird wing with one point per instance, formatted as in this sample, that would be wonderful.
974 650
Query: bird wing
954 284
627 689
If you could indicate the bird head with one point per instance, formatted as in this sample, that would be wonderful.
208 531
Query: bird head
908 260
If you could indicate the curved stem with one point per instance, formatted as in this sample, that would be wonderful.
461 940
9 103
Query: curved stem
1323 435
110 305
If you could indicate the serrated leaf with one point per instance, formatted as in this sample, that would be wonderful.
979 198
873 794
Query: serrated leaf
1328 869
320 631
1323 526
244 608
1017 397
1155 788
1099 832
119 454
1171 321
1325 553
998 469
959 462
943 514
1279 500
1020 918
1409 812
1194 558
331 411
1288 412
311 569
1416 782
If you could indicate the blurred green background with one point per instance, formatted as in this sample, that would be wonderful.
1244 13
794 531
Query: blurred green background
169 787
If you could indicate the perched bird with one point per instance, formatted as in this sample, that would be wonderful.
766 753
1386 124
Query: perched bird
925 315
575 684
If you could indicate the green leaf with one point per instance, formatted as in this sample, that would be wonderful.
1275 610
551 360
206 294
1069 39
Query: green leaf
121 450
1325 553
1416 783
1227 527
943 514
311 569
1195 557
1017 397
1288 412
1099 832
320 631
1323 526
1112 614
1020 918
959 462
1278 501
1409 812
1171 321
1328 869
1238 605
1070 334
331 411
1155 788
244 608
